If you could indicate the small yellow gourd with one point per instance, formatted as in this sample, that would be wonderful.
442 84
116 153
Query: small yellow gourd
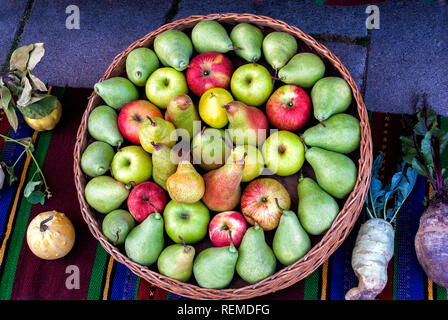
50 235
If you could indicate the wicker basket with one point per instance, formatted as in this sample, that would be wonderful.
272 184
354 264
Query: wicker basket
320 252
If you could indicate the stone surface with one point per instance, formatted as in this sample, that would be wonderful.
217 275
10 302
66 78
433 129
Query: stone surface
10 16
78 58
409 56
352 56
307 15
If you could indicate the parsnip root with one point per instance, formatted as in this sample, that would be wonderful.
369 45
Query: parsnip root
373 250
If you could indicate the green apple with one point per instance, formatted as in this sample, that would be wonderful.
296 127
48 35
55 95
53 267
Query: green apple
253 162
209 149
188 220
132 163
252 84
283 153
163 84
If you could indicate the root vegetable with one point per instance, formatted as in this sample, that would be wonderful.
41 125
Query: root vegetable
374 245
431 242
373 250
424 147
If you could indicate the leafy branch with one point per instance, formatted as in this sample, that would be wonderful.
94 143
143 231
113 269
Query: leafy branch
23 91
423 146
36 191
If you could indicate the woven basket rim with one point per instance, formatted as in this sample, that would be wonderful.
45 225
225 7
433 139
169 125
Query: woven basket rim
319 253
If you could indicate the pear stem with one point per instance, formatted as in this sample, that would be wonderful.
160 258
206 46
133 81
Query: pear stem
227 142
303 142
322 123
130 185
236 48
157 145
118 238
186 248
152 122
203 130
250 218
278 205
255 61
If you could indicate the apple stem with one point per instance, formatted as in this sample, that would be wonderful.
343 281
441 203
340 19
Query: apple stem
278 205
322 123
118 238
138 73
203 130
186 248
152 122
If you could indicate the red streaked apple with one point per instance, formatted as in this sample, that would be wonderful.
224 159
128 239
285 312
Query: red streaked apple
209 70
289 108
144 198
258 202
132 116
224 223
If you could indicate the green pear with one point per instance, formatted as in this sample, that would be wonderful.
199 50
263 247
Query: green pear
157 130
214 267
335 172
186 185
330 95
162 164
291 242
176 261
340 133
182 113
140 63
304 70
174 49
96 159
145 242
256 261
117 224
210 36
103 126
105 194
248 38
209 149
317 209
116 91
278 48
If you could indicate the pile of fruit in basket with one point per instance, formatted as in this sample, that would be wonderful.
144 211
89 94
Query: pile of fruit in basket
169 176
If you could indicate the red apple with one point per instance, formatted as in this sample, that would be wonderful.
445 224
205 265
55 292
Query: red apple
132 116
258 202
209 70
288 108
144 198
221 225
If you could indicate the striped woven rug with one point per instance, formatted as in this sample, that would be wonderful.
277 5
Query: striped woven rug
24 276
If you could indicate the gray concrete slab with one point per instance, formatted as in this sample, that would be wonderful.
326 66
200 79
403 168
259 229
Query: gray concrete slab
11 13
307 15
78 58
352 56
409 56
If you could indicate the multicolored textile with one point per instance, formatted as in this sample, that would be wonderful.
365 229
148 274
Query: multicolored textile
24 276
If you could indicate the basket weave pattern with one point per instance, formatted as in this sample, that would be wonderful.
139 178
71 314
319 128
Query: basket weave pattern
318 254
